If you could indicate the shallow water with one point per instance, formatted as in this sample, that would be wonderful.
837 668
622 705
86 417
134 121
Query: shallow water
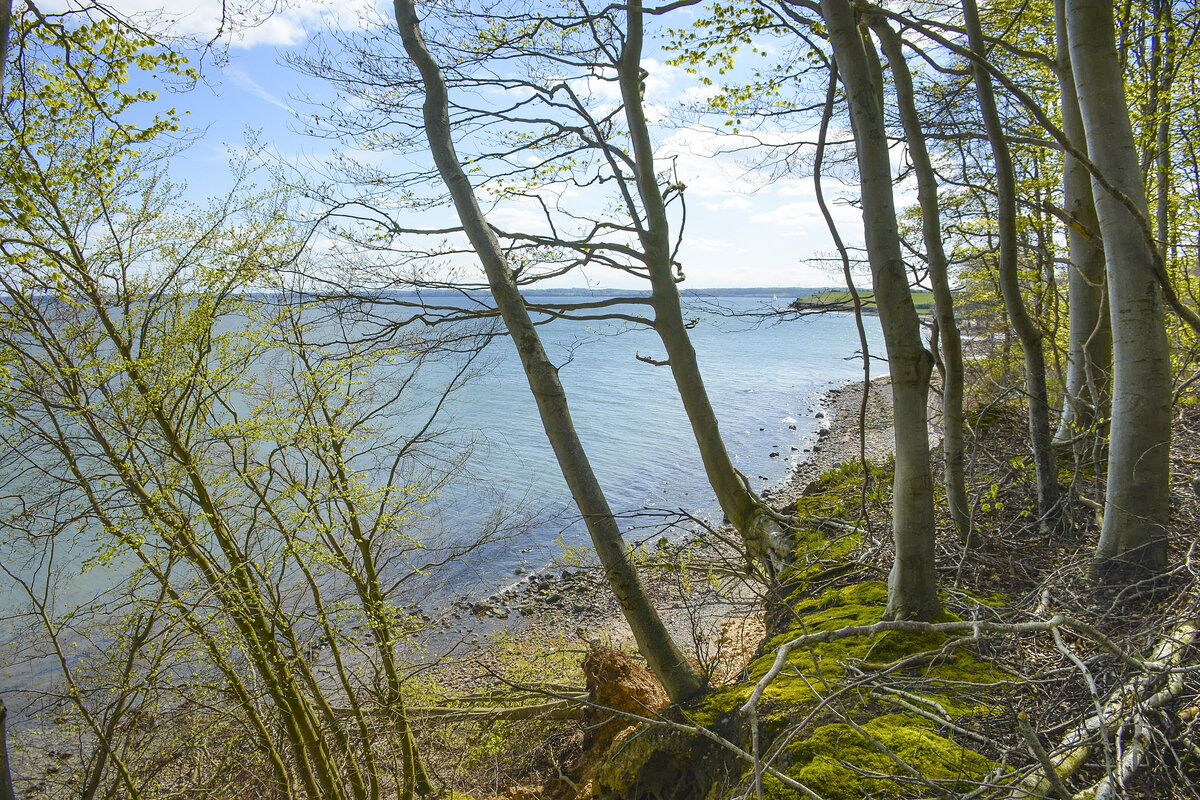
764 379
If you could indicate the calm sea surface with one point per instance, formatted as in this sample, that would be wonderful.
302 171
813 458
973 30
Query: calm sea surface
764 377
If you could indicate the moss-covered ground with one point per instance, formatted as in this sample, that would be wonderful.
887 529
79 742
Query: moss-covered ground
837 717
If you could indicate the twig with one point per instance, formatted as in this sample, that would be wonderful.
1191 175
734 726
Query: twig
1039 752
915 709
909 626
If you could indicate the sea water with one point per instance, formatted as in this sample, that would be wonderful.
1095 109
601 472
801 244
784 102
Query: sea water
764 372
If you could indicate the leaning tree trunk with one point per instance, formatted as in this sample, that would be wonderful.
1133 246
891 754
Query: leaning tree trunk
6 787
655 643
744 511
1133 539
1089 348
953 444
1027 330
912 585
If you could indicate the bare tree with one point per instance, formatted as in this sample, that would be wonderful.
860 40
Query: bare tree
655 643
602 198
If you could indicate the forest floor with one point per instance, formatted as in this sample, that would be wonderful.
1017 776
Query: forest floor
1018 576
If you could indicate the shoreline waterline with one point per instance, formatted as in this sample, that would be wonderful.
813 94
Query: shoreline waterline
574 603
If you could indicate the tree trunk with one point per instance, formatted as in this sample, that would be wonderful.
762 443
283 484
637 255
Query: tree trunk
1089 348
6 787
1031 337
1133 538
759 532
1163 79
953 445
912 585
654 642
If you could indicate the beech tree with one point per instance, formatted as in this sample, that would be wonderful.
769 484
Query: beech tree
953 445
1133 535
654 641
912 586
1027 330
1089 357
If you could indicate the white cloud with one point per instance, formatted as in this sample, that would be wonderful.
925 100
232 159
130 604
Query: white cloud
703 244
794 188
803 214
241 78
250 23
735 203
698 95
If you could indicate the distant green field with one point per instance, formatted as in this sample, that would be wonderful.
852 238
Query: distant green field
840 297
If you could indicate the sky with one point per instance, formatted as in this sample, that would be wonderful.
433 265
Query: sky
740 231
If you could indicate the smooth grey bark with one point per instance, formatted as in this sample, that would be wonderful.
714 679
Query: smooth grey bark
1083 423
6 787
1160 104
1046 471
677 676
5 28
758 530
953 439
912 584
1133 538
855 297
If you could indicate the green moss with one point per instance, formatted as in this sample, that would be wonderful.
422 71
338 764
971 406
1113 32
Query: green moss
833 760
838 492
719 704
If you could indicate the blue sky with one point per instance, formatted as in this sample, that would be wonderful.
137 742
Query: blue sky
740 231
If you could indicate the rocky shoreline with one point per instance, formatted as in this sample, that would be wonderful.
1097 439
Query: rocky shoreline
693 582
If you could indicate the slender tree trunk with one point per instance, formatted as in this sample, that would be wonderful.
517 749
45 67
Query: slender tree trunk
953 444
1083 424
1026 329
6 787
5 28
912 585
744 511
855 297
654 642
1133 537
1166 14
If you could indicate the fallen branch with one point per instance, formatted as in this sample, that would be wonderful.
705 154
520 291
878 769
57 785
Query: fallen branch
1127 702
939 719
976 627
563 706
556 709
1035 747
